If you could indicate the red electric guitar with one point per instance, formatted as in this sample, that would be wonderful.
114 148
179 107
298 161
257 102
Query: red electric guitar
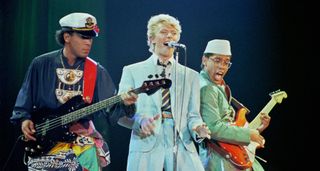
243 156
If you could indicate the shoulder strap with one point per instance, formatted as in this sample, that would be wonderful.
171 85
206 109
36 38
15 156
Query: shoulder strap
89 80
238 105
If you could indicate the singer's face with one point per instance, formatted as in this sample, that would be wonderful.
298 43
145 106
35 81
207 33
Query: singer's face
164 34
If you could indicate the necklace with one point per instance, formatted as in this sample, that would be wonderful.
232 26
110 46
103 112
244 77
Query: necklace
69 84
69 76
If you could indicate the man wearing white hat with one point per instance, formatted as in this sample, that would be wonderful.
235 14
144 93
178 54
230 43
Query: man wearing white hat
217 112
52 80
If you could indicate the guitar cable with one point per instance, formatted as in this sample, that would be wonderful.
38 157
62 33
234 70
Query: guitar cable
11 152
265 161
260 158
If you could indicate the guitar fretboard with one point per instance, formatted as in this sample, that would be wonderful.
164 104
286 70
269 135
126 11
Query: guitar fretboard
78 114
256 122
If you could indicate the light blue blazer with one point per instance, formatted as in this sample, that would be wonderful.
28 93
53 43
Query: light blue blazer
185 102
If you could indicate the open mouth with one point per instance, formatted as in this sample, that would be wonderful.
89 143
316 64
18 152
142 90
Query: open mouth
219 75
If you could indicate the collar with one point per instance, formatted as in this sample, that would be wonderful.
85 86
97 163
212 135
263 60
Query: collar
155 59
77 62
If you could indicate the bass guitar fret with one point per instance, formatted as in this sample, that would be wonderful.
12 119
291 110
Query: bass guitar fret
78 114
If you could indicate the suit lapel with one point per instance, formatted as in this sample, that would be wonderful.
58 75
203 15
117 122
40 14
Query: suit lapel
150 68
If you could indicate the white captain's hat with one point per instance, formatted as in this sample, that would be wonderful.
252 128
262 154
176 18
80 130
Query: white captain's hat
82 23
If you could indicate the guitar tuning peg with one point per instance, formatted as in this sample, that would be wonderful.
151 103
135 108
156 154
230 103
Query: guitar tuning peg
274 92
150 76
157 76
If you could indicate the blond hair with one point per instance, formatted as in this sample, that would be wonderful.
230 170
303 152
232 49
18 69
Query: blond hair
155 22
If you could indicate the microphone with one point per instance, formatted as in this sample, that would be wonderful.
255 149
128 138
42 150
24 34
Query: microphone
175 44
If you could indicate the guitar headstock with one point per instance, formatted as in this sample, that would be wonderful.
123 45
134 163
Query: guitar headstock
151 86
278 95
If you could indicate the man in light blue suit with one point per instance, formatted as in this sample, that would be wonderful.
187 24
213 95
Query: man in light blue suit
165 123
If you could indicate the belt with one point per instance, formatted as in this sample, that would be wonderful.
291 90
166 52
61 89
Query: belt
166 116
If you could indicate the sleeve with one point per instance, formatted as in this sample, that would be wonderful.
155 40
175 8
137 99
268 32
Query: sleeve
24 102
194 118
220 130
126 83
105 88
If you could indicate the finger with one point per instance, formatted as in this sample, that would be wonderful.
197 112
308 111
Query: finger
30 137
26 130
152 131
148 126
31 127
145 130
156 117
151 127
195 128
133 95
265 117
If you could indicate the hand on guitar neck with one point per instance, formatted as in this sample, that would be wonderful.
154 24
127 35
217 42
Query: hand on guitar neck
129 98
265 121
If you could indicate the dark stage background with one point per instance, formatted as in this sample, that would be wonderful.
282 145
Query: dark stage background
266 39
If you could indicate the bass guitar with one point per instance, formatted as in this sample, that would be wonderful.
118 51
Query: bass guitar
52 125
243 156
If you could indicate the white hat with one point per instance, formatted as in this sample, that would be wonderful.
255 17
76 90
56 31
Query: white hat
218 46
82 23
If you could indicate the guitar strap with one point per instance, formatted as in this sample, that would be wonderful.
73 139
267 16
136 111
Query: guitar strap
231 99
238 105
89 79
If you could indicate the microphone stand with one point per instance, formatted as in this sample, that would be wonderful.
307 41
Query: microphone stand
176 133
